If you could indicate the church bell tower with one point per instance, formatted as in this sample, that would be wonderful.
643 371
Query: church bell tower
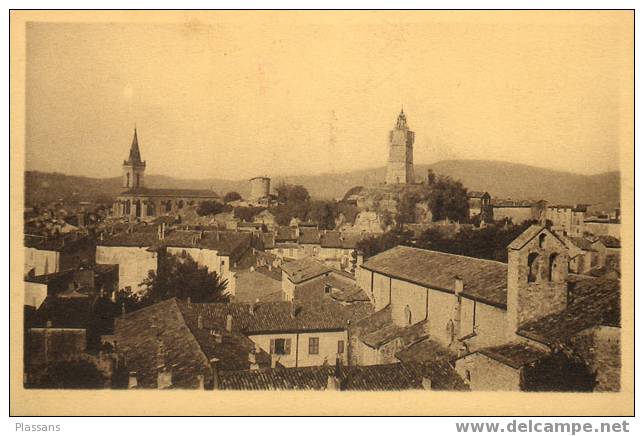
400 166
133 167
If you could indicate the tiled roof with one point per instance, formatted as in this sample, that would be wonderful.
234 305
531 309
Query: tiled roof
610 241
285 233
425 350
483 280
388 377
309 235
232 244
52 277
278 316
232 351
158 334
135 239
476 194
527 236
304 269
67 242
258 284
187 193
582 243
348 293
331 239
514 355
595 302
268 240
379 329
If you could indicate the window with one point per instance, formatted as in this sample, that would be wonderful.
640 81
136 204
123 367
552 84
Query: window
533 267
542 240
340 347
468 376
327 289
408 315
552 270
314 345
127 183
281 346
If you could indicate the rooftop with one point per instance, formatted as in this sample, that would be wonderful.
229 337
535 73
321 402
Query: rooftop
304 269
379 329
163 192
388 377
513 355
483 280
595 302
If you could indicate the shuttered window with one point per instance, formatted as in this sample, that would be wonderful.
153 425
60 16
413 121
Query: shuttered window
314 345
281 346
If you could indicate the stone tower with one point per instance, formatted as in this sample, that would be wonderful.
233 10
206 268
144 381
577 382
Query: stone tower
400 166
133 167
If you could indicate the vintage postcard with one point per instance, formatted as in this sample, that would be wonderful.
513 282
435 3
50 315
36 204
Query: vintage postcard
322 212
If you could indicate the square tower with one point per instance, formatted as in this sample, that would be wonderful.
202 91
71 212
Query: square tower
400 165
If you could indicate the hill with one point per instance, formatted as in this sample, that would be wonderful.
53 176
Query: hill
500 179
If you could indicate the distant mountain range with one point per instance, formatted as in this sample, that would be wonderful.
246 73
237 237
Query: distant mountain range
500 179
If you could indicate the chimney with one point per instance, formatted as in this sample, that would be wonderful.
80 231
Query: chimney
456 318
132 381
164 377
458 285
214 367
294 310
229 323
200 382
252 360
426 383
199 321
333 380
359 258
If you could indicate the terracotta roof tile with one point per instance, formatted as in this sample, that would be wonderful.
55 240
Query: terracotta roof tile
483 280
514 355
595 302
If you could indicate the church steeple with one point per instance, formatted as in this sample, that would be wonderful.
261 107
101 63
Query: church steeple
135 153
134 167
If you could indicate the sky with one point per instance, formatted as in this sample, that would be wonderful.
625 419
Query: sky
234 95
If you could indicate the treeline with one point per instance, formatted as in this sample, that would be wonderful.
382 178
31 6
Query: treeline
485 243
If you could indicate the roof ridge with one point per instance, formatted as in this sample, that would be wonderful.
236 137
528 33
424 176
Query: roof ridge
440 252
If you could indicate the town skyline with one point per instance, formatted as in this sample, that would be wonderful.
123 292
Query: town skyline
484 92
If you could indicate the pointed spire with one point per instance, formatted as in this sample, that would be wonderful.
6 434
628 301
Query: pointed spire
135 153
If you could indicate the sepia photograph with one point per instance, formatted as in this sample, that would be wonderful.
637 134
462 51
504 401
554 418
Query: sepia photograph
429 207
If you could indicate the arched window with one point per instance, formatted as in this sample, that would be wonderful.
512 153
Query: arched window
552 267
542 240
168 206
468 376
408 315
127 182
533 267
138 179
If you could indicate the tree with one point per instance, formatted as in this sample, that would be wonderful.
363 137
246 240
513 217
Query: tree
292 194
324 213
448 199
181 277
75 374
377 244
247 213
562 371
211 208
232 196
